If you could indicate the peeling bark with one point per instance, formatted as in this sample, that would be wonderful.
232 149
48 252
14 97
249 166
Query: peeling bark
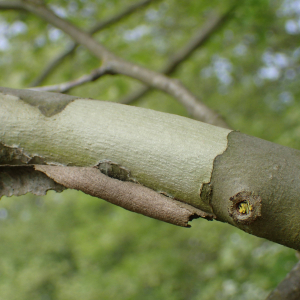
48 103
131 196
21 180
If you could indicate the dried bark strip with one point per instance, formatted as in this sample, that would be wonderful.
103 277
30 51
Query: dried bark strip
131 196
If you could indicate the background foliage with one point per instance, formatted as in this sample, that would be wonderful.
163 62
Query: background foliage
71 246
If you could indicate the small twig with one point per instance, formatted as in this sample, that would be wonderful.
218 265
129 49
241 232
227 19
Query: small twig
289 287
99 26
212 25
119 66
66 86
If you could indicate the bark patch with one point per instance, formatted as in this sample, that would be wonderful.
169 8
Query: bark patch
255 186
16 156
114 170
48 103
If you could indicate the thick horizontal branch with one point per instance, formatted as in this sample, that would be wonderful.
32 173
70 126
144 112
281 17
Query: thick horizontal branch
117 65
96 28
240 180
146 144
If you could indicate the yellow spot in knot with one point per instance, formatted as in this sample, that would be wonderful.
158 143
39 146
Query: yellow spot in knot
245 207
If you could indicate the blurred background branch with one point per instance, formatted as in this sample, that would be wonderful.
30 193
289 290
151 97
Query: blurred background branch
213 23
119 66
289 287
67 86
96 28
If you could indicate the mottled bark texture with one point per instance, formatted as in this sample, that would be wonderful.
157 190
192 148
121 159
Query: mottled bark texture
245 181
167 153
255 186
144 147
48 103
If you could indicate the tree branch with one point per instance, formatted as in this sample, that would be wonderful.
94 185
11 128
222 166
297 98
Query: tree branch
94 137
237 179
289 287
196 41
213 24
119 66
11 5
66 86
99 26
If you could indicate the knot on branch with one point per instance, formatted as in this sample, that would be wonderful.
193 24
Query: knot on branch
245 207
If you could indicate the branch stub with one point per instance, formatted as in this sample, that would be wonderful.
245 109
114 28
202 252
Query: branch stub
245 207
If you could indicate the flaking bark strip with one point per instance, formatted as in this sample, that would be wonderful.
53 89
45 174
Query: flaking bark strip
131 196
20 180
12 155
48 103
16 156
260 180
